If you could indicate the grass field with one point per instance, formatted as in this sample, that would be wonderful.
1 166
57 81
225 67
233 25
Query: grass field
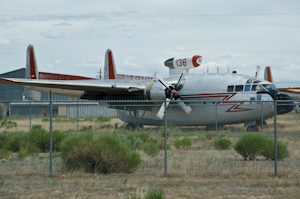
198 171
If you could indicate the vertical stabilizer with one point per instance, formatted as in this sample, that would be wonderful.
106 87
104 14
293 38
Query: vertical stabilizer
31 73
268 74
109 66
31 65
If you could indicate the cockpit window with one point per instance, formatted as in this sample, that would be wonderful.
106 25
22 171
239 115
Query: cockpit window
256 81
239 88
269 87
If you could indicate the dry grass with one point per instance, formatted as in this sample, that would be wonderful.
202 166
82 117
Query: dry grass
196 172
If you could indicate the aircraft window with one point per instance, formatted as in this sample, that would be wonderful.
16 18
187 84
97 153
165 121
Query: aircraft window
273 86
269 87
258 99
239 88
230 88
254 88
247 87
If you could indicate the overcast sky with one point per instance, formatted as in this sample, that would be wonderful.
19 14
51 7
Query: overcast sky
71 36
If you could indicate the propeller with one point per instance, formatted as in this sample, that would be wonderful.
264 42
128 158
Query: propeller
172 94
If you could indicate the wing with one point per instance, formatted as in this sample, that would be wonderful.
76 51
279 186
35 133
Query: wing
290 89
89 89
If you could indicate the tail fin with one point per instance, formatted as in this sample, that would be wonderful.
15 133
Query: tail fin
268 74
31 73
31 65
257 71
109 66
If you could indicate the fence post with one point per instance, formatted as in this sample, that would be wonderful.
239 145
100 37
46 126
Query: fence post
124 118
30 116
275 137
166 163
50 134
216 117
262 117
77 114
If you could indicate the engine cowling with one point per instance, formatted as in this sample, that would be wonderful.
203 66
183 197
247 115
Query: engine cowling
180 63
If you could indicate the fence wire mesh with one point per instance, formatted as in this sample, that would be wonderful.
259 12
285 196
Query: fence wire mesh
216 140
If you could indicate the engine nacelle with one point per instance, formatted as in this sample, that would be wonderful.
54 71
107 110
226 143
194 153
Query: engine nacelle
155 91
180 63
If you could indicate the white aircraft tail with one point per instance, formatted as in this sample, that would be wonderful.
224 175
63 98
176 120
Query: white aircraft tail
268 74
110 71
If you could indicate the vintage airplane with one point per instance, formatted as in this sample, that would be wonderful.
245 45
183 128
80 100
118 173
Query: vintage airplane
195 99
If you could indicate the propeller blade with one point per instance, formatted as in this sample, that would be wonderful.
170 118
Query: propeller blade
183 74
185 107
161 111
162 81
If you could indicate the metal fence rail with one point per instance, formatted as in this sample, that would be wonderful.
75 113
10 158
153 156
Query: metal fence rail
177 145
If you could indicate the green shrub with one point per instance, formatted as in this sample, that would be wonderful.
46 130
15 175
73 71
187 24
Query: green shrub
28 150
2 109
144 136
8 124
162 133
155 194
103 154
151 149
133 143
185 142
4 153
57 138
222 143
40 138
4 142
269 152
15 141
45 119
103 119
160 143
37 126
250 145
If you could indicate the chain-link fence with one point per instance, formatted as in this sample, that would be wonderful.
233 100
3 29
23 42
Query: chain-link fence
217 139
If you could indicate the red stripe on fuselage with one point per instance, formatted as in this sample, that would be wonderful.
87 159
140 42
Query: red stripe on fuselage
226 97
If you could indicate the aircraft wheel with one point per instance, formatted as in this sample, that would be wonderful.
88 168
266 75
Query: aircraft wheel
252 129
131 126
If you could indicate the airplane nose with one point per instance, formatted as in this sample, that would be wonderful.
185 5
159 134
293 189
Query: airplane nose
284 107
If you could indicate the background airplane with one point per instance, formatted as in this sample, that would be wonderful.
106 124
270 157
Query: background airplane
194 98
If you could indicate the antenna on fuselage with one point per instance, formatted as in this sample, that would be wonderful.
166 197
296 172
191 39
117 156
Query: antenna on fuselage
218 70
228 70
207 68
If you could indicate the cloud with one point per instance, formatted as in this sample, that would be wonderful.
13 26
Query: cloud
180 49
226 57
52 34
57 61
62 24
4 41
50 66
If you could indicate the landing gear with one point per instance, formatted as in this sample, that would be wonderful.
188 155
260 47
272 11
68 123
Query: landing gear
133 126
252 129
